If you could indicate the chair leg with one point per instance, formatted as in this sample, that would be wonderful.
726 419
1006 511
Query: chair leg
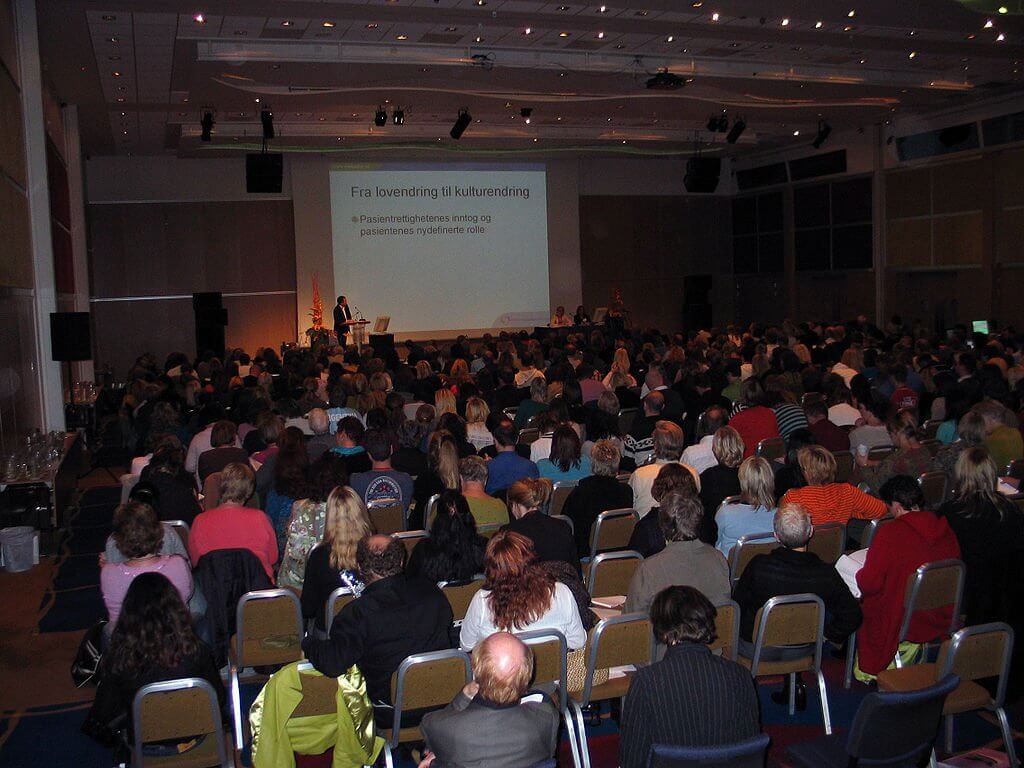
389 759
823 692
949 733
581 733
570 731
792 694
898 660
851 653
931 760
1004 726
236 709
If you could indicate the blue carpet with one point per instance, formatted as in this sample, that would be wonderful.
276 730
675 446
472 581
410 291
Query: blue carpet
49 736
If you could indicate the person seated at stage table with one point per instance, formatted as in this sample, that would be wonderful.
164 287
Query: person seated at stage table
582 317
560 319
565 462
691 697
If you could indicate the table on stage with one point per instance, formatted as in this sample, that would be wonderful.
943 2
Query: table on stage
542 331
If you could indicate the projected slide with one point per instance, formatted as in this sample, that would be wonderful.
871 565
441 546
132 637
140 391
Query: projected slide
450 249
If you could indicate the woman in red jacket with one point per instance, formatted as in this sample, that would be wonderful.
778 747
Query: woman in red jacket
914 538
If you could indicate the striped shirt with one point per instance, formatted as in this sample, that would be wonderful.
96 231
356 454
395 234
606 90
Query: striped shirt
790 418
835 503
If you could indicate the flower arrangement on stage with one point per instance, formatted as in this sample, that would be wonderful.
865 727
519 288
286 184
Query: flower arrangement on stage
317 335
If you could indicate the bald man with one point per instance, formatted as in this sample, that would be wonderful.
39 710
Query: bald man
487 726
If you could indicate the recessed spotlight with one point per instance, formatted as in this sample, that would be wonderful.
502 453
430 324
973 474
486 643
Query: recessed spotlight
1000 37
563 8
113 40
321 119
372 25
603 9
600 35
609 120
988 24
796 132
559 118
528 31
714 16
563 34
669 39
286 23
623 141
125 133
451 29
198 18
478 39
123 114
619 46
535 141
329 24
849 28
120 99
401 37
785 22
1003 9
912 55
117 74
863 61
641 13
852 13
819 24
241 32
696 4
481 2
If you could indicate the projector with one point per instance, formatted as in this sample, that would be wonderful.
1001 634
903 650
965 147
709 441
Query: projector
665 81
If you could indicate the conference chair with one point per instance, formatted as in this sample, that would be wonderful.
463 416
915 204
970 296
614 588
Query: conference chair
934 486
269 634
982 652
612 530
529 436
181 528
431 511
727 501
794 621
889 729
880 453
744 754
387 518
871 530
550 667
828 542
1015 469
410 539
460 596
930 429
746 549
337 600
727 629
559 493
567 520
179 710
424 681
610 573
844 465
771 448
626 417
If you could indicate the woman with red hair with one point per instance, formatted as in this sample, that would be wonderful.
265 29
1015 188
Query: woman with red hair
518 596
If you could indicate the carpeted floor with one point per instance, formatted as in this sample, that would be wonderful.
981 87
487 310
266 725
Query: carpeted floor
45 611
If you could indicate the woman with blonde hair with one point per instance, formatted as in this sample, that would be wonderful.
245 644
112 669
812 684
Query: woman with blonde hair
444 402
620 364
826 500
721 480
332 564
476 423
754 511
972 433
458 374
528 501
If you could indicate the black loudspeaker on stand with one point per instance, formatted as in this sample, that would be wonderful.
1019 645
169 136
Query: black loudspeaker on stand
70 341
211 317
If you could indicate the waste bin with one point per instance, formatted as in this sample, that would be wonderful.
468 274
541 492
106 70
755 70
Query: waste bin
18 544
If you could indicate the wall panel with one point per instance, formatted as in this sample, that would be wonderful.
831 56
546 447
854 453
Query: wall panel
958 239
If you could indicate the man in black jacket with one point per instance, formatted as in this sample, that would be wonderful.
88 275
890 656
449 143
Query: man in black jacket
395 617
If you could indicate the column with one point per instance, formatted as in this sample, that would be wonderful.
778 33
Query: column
81 371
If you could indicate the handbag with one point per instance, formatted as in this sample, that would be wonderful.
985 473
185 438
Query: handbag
576 671
85 667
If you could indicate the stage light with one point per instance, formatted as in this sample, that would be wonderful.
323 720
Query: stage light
398 116
525 113
206 123
718 123
381 118
461 123
267 118
824 129
739 125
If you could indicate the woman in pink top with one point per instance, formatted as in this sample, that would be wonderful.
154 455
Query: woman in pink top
139 536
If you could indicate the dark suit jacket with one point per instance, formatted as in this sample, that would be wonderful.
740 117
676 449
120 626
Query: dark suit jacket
592 496
393 618
551 538
478 734
341 314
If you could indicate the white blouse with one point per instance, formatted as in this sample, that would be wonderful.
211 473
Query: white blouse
562 615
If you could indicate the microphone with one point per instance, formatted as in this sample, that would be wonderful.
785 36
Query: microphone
357 311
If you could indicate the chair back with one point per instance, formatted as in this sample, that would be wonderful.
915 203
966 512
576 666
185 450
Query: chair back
550 658
1015 469
181 528
459 597
744 754
626 417
211 491
410 539
747 548
930 429
430 512
427 680
567 520
881 452
934 585
771 448
844 465
933 486
269 628
528 436
387 519
792 620
616 642
828 542
871 530
897 729
978 653
337 600
612 530
179 709
727 629
559 493
319 693
932 445
727 501
611 572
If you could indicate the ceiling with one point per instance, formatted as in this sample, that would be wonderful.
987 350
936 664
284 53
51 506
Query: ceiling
143 73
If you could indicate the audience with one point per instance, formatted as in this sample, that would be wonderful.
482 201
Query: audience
223 450
291 465
453 552
381 485
551 538
648 538
826 434
348 445
754 512
668 442
753 420
507 466
701 455
638 443
721 480
908 458
1004 442
871 431
565 463
826 500
441 474
596 493
174 489
323 439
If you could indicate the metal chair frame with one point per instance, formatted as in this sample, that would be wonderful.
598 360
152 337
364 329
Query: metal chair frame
925 478
872 530
734 631
604 557
715 757
567 520
181 528
559 493
167 686
331 609
539 637
430 511
734 553
771 448
611 514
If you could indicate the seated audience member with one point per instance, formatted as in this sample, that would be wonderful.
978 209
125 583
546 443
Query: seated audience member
789 416
232 525
972 434
486 509
535 405
620 365
174 488
755 510
486 724
654 381
291 442
701 455
597 493
914 538
396 616
382 485
322 439
638 444
841 411
139 537
826 434
788 473
476 423
308 520
755 421
1004 443
603 421
441 474
146 494
529 371
203 440
826 500
903 396
348 445
291 466
223 450
519 596
667 444
648 538
261 442
789 570
551 538
721 480
454 552
685 560
691 697
872 433
153 641
591 387
565 463
507 466
408 457
332 563
555 416
990 530
909 458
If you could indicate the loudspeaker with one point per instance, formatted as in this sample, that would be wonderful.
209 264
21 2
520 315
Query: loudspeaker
70 338
697 317
263 173
696 289
211 317
702 174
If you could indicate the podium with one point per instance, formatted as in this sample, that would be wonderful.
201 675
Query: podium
357 332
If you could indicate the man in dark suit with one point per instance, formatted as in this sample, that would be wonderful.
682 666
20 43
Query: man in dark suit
487 725
396 616
692 697
342 314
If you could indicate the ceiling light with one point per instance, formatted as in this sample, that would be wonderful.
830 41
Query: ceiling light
796 132
1003 9
117 74
1000 37
398 116
372 25
600 35
696 4
113 39
479 39
481 2
603 9
198 18
461 124
120 99
785 22
714 16
451 29
257 99
863 61
527 31
563 8
381 117
206 124
619 46
988 24
852 13
819 24
286 23
563 34
329 24
526 112
109 17
912 55
849 28
971 36
669 39
241 32
911 33
401 37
